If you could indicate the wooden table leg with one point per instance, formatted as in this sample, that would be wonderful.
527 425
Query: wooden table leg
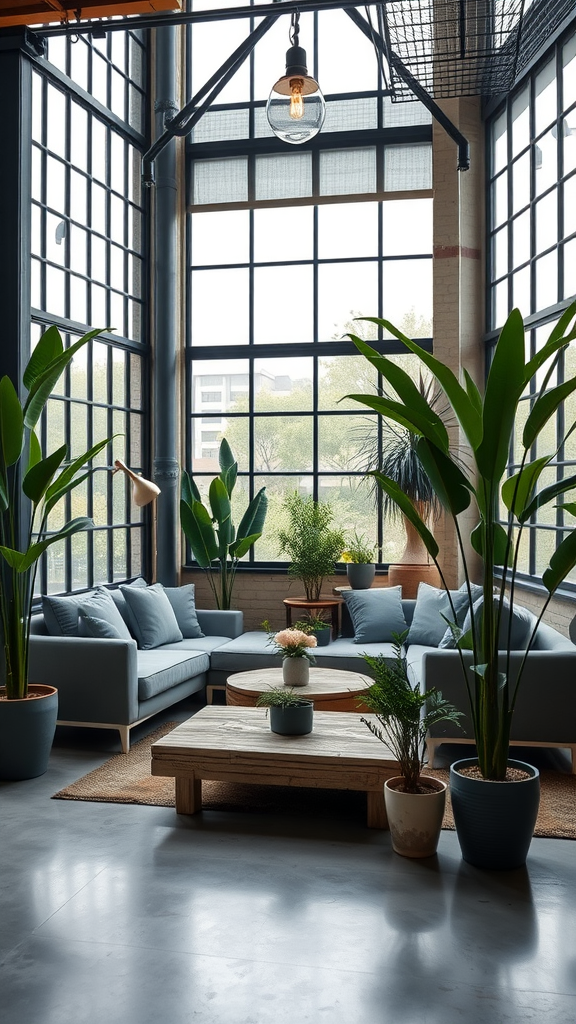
188 795
376 809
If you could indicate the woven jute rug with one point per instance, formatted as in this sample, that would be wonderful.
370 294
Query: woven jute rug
126 779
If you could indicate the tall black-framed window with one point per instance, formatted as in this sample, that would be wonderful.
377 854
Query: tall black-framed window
287 245
88 268
532 249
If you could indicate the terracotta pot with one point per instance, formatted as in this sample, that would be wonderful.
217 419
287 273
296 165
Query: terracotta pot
26 732
415 819
295 671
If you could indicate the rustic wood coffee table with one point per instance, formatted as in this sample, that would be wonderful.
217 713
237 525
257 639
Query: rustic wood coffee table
329 689
231 744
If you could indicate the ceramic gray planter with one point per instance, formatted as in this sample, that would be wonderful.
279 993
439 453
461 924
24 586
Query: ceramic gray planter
494 820
27 730
295 720
360 575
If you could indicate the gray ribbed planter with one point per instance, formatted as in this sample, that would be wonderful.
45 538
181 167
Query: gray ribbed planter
494 820
26 733
360 575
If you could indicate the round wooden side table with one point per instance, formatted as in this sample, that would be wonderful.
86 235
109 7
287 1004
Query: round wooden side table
331 604
330 689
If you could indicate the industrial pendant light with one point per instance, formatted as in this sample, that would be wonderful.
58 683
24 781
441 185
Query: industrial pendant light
296 107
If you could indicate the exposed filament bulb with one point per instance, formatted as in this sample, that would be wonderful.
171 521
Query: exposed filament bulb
296 98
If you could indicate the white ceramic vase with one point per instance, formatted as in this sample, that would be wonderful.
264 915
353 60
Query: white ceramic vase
295 671
415 819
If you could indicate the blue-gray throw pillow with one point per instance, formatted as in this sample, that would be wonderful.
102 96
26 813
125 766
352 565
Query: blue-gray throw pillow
101 606
428 626
120 601
183 604
61 614
376 614
152 617
91 626
523 622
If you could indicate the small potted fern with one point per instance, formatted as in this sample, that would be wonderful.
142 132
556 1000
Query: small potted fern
414 802
360 565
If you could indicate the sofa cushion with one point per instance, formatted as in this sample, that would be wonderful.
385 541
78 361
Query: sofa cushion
253 651
376 614
207 644
428 627
120 601
161 670
61 614
184 607
152 619
98 610
523 622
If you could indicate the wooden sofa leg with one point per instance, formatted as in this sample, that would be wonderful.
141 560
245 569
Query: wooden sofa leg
124 731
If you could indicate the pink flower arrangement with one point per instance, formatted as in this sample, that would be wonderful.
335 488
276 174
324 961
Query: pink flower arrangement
293 643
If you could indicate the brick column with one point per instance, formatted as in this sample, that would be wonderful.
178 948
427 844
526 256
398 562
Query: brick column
458 270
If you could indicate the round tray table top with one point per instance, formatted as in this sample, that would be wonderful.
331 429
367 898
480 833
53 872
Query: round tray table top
324 682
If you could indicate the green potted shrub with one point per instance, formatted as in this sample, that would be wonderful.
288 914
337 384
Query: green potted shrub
290 714
414 802
360 565
215 542
310 542
499 836
31 485
315 624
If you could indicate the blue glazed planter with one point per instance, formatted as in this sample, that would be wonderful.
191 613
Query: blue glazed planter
26 733
494 820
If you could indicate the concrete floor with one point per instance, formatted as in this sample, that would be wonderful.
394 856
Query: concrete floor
113 913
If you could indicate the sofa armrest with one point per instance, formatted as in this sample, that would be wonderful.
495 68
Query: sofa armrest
214 622
97 680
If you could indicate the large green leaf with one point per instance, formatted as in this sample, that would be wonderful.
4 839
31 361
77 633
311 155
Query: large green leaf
499 542
545 407
405 416
39 477
4 502
465 407
199 532
11 424
46 351
220 503
240 547
254 517
405 505
505 384
557 340
407 391
21 561
35 450
44 384
67 479
517 490
547 495
563 560
189 489
451 486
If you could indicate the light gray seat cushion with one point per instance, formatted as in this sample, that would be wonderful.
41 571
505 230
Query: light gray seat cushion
160 670
207 644
253 651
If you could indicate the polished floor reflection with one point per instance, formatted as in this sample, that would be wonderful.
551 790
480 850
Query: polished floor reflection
116 913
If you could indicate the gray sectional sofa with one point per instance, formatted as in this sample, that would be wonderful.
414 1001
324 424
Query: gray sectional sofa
112 683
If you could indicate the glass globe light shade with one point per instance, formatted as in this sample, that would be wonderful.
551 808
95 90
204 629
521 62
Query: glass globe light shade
296 108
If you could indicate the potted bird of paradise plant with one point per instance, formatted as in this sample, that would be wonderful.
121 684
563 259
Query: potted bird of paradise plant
504 503
31 485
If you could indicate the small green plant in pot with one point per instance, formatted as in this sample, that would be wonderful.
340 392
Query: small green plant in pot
31 485
290 714
504 504
316 625
215 542
310 542
414 803
360 566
